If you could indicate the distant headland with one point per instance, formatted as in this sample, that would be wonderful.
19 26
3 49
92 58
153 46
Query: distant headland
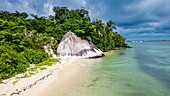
149 41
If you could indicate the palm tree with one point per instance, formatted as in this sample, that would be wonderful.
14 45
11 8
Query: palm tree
110 27
109 30
99 27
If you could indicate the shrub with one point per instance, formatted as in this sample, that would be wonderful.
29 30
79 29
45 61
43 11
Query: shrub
14 82
35 55
43 68
48 62
11 62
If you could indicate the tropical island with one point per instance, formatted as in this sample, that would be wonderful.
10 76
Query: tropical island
28 42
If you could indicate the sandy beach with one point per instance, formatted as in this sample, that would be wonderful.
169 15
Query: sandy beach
69 77
56 80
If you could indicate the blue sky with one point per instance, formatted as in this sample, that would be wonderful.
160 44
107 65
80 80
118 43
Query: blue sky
135 19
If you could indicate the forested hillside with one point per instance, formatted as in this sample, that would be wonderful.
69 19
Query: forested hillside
22 39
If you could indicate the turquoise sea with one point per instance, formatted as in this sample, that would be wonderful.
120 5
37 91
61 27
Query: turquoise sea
143 70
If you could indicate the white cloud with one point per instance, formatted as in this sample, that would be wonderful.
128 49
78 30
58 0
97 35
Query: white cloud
143 5
80 2
153 24
8 4
72 4
83 2
97 10
48 9
154 34
137 17
123 30
152 9
21 6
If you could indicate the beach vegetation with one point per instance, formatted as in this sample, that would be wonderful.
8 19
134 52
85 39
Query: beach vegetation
11 62
35 56
22 39
14 82
1 80
33 69
25 75
48 62
31 73
43 68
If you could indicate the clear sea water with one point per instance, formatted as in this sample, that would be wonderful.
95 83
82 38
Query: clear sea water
143 70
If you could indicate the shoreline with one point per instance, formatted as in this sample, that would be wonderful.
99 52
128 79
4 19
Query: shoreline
33 85
68 80
63 76
70 77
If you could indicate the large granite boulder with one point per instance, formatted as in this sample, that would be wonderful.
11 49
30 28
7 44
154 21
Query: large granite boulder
73 46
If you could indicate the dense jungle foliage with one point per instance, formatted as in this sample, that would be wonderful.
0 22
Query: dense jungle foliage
22 39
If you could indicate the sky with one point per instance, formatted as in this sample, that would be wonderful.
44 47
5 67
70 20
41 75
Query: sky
134 19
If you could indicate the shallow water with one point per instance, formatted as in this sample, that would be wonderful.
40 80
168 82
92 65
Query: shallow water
143 70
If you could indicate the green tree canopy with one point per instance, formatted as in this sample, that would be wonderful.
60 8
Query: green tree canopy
22 39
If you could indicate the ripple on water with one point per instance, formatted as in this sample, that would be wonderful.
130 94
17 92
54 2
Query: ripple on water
140 71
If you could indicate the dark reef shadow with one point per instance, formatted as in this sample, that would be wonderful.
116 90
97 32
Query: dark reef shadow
145 60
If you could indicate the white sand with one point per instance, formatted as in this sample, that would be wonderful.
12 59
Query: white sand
68 79
34 84
63 75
